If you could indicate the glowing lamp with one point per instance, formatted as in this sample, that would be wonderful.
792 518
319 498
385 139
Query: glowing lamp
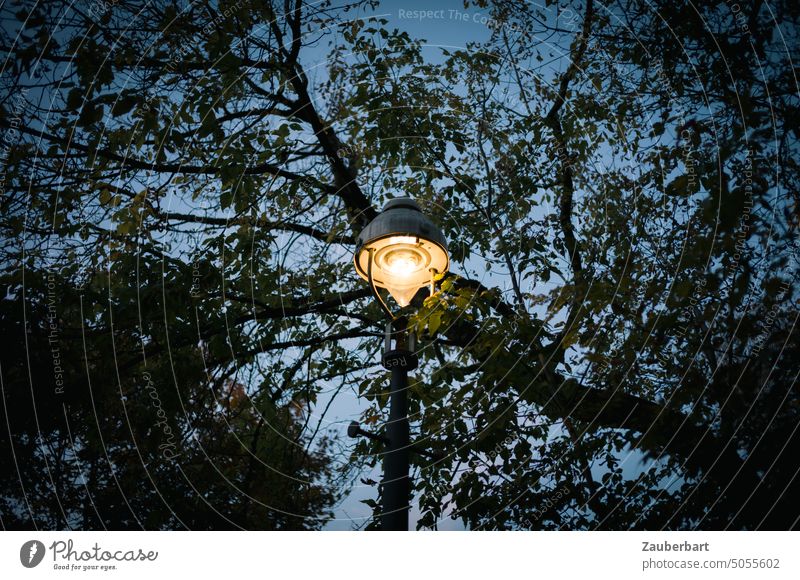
402 251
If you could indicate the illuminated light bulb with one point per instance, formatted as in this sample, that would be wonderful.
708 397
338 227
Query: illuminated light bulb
402 262
399 266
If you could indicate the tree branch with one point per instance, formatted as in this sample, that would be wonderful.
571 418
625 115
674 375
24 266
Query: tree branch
318 234
559 145
130 162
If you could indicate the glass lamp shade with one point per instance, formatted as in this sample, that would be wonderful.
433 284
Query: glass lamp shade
406 250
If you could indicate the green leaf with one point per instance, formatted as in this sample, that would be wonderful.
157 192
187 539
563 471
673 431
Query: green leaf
434 322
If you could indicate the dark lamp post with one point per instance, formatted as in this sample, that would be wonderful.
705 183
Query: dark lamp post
402 251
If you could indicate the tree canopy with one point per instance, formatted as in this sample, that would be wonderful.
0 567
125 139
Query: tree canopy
183 183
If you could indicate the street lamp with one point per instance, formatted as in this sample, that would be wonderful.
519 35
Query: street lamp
402 251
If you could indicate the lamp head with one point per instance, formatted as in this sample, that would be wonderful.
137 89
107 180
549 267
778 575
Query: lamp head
406 249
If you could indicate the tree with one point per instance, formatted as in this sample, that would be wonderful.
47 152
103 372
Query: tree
612 349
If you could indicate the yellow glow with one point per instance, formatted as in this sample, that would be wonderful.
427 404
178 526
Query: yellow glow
402 240
403 296
402 262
